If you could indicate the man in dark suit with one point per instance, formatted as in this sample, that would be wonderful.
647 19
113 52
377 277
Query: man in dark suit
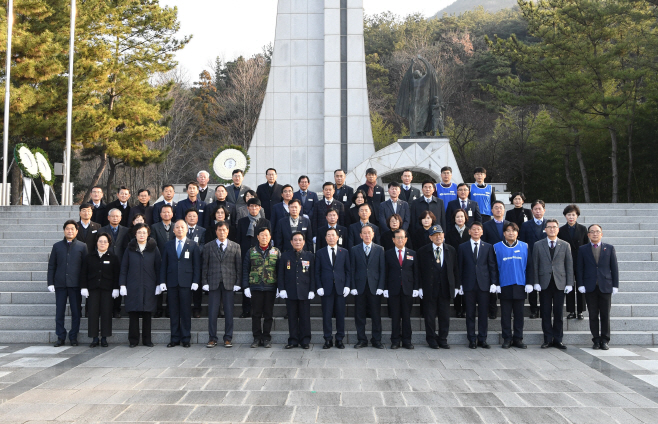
221 276
162 232
117 232
269 193
197 234
180 275
597 275
354 231
319 213
296 282
308 198
553 269
220 200
492 233
121 203
343 193
99 214
332 278
463 202
143 207
168 199
192 202
531 232
247 239
375 194
368 283
439 280
479 278
236 191
401 287
332 222
87 230
393 206
280 210
64 267
295 222
576 235
427 202
205 194
407 192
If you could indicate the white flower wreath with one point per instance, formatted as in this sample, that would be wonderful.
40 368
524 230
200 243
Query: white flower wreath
27 162
44 168
228 160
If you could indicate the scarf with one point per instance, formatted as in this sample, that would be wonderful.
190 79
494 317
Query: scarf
371 188
252 225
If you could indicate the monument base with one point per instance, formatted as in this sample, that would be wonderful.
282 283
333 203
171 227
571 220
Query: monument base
427 155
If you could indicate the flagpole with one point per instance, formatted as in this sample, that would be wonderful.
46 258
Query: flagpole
4 192
67 196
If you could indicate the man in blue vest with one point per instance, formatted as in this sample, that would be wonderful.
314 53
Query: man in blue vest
446 190
483 193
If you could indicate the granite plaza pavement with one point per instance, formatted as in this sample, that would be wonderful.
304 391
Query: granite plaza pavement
40 383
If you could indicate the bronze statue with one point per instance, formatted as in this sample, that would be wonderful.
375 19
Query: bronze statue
420 102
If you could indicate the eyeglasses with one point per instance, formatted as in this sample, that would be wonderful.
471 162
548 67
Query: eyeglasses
595 232
551 228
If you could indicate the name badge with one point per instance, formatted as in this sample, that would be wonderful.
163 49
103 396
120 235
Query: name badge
187 255
196 239
414 198
106 262
378 192
525 218
309 200
470 212
543 231
94 231
340 240
410 258
200 210
345 198
304 229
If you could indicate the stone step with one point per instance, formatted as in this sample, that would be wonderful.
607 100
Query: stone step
10 242
639 266
25 276
25 249
632 298
639 286
36 257
634 256
638 241
637 275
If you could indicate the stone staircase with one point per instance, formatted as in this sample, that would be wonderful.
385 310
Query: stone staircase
27 309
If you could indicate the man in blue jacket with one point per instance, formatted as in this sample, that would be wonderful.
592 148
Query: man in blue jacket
64 267
531 232
307 197
597 276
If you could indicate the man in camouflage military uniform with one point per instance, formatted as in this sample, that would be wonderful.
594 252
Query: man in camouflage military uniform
259 284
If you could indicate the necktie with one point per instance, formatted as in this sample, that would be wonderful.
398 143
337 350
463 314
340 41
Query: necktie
400 256
189 232
437 254
463 205
595 246
222 249
367 250
475 253
427 200
303 197
179 249
333 256
552 245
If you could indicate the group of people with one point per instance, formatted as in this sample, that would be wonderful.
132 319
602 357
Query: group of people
446 243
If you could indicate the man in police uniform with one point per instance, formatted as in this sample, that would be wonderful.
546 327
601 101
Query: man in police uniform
296 282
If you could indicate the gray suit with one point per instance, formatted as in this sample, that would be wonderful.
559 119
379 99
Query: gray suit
553 274
230 195
219 268
368 276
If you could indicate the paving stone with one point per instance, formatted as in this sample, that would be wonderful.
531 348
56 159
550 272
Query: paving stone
264 414
206 397
223 413
603 399
314 398
155 413
235 398
492 386
548 399
357 415
410 414
278 373
456 415
393 399
511 399
583 415
156 397
430 398
267 398
305 414
362 398
92 413
646 415
288 384
224 384
385 385
337 385
532 415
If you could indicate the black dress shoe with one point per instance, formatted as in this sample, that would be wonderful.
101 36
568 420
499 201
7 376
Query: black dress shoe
444 346
596 346
408 346
255 344
604 346
116 315
360 345
484 345
104 342
245 315
221 315
493 316
328 344
267 344
581 317
166 314
339 344
186 344
196 314
559 345
60 342
546 345
534 315
158 314
172 344
433 346
395 346
519 344
305 346
472 345
93 343
148 344
377 345
291 346
506 344
572 315
74 342
132 346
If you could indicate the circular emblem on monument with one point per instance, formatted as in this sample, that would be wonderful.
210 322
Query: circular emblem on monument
227 159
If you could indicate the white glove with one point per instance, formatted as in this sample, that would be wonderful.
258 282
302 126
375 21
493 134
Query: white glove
51 289
461 290
528 288
283 294
498 291
414 293
615 290
354 292
456 292
115 293
420 293
311 295
163 287
123 291
537 288
247 292
379 292
157 290
386 294
492 288
320 292
568 289
314 240
277 294
206 287
581 289
346 291
236 288
84 293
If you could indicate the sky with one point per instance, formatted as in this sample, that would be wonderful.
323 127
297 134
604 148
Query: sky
230 28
